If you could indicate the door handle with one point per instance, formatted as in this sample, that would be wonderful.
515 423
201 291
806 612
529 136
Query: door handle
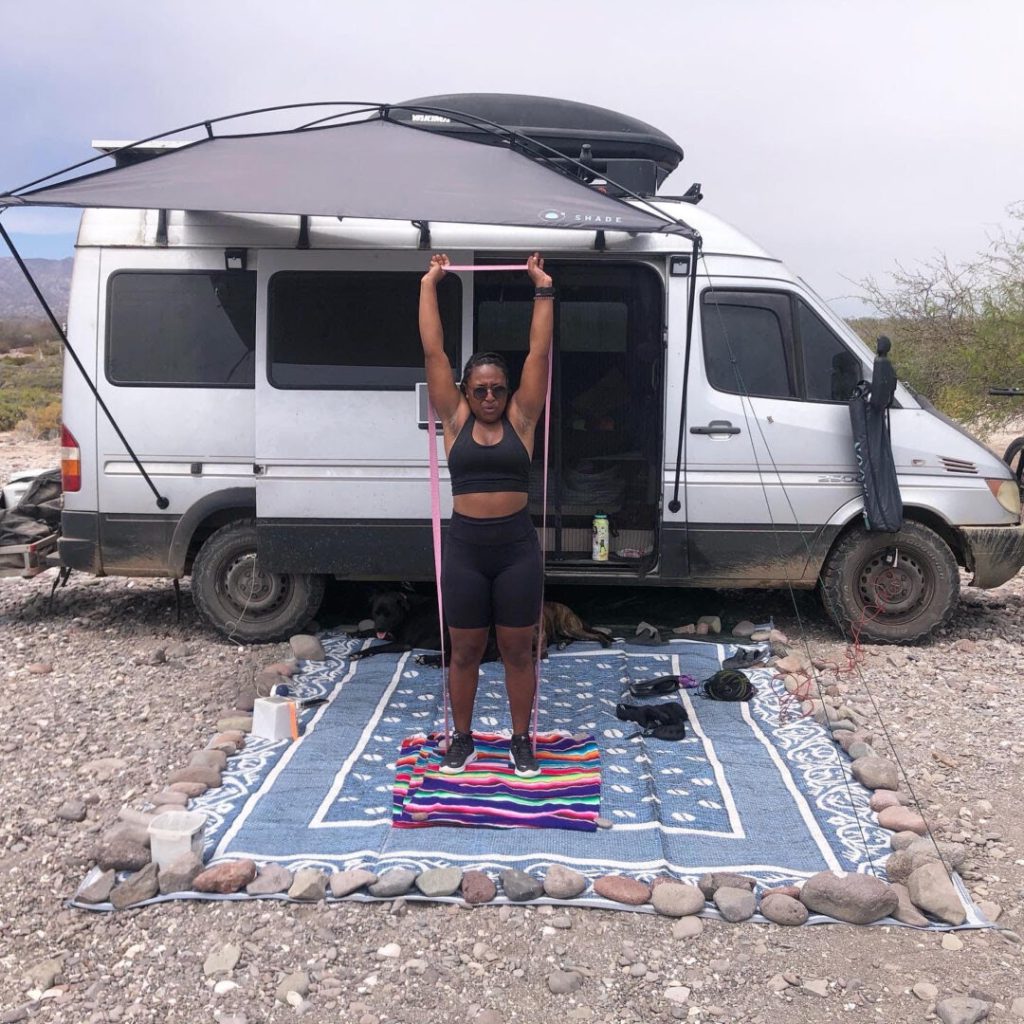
716 427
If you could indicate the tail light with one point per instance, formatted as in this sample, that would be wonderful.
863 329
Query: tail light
70 461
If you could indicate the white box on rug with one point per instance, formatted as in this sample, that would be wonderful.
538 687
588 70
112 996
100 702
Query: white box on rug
273 718
175 833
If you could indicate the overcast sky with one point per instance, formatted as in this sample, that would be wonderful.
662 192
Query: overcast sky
841 136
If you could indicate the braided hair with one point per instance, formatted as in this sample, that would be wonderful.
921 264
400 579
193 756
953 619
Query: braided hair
484 359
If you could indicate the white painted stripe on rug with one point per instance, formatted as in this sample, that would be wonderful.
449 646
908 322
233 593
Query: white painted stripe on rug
798 798
282 763
317 820
736 825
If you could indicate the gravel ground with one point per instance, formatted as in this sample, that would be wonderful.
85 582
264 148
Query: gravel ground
951 709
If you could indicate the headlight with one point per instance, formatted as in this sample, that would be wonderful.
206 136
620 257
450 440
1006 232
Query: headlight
1007 493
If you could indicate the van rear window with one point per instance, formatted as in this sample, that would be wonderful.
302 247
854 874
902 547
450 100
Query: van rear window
353 329
188 329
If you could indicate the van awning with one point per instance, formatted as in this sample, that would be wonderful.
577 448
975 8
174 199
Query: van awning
376 168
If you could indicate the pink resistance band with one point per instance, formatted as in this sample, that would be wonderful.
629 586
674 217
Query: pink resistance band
486 266
435 522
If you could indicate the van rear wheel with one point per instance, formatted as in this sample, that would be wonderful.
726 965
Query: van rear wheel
244 601
890 588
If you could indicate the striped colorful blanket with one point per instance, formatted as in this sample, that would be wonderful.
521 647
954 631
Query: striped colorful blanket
488 794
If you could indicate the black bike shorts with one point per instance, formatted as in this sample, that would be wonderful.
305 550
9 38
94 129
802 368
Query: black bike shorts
492 572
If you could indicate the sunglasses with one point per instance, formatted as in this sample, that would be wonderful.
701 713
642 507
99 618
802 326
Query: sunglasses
498 390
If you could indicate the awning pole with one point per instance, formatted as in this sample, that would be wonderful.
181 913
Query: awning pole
673 505
161 501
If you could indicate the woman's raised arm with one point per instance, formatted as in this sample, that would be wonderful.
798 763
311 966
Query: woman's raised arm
533 385
444 395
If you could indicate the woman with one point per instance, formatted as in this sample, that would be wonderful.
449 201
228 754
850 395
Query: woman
492 568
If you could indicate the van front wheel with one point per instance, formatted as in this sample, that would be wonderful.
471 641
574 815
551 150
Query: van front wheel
244 601
890 588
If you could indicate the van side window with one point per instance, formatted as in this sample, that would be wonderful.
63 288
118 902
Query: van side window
745 344
831 370
181 329
353 329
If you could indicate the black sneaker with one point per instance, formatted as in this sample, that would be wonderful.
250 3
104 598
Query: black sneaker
520 753
460 753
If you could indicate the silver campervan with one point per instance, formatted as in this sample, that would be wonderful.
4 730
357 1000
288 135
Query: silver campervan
269 374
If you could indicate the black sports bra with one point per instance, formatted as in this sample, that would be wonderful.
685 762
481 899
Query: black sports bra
486 468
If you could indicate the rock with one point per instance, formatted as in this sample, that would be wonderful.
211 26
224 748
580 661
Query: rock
209 777
923 848
902 840
306 648
792 663
478 887
951 942
396 882
142 885
990 911
561 983
883 798
222 988
782 890
777 983
674 899
231 723
179 875
622 889
230 876
817 986
906 912
965 646
761 634
713 622
40 668
784 910
178 650
1017 1007
272 879
222 960
859 749
713 880
190 789
520 886
207 758
961 1009
735 904
72 810
45 974
703 629
931 890
121 855
687 928
439 881
902 819
876 773
308 884
344 883
603 822
96 887
391 951
854 898
898 866
677 994
169 796
925 991
743 628
562 883
687 629
297 982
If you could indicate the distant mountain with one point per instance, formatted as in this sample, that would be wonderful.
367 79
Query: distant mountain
16 298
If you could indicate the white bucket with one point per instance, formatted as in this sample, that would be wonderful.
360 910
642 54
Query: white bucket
273 718
175 833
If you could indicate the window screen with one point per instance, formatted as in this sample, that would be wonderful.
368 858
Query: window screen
831 370
745 350
181 329
352 329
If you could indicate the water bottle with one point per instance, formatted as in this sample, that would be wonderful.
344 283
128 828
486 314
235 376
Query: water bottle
599 546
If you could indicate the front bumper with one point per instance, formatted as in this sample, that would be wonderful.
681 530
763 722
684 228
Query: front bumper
994 553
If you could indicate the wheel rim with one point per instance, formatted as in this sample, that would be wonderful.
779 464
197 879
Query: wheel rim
250 590
897 583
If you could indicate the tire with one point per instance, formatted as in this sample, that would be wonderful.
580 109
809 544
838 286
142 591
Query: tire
239 599
1014 458
866 594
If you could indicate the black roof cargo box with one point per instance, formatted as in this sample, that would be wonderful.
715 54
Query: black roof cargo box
626 150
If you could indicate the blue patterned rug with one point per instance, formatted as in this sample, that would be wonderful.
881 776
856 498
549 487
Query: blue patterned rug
753 788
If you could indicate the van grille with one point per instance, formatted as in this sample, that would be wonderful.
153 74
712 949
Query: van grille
958 466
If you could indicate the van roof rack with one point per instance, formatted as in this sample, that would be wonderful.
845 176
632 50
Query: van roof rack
612 146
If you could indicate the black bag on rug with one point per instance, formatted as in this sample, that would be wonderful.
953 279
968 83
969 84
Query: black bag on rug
665 721
729 684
